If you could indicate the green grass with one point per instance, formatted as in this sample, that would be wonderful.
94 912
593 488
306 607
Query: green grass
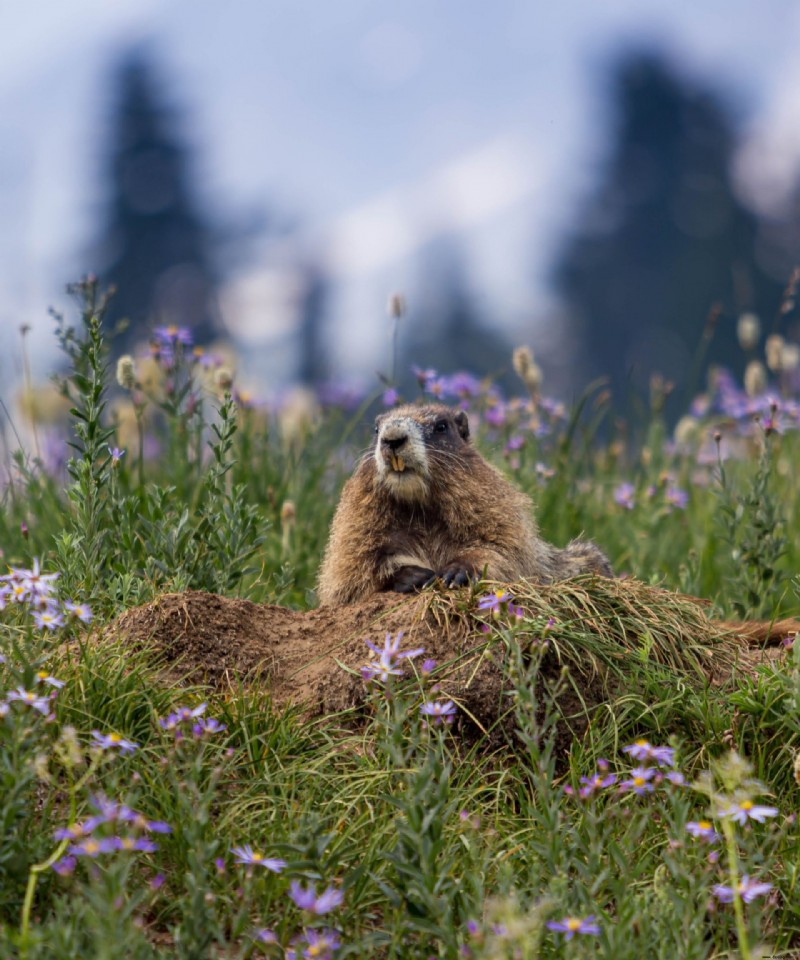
442 845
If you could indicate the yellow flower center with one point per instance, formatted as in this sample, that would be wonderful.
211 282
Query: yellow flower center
642 743
91 846
127 843
257 857
704 825
572 923
114 737
638 781
746 805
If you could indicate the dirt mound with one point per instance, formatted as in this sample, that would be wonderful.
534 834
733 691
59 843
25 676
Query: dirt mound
603 630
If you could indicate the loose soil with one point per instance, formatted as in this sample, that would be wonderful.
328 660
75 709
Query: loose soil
312 659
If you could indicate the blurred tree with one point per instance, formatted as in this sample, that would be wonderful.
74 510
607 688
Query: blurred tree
155 246
662 240
313 366
448 332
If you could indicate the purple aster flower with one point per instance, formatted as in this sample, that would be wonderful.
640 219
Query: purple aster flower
65 866
157 882
116 455
171 335
747 810
307 899
251 858
131 844
317 944
30 699
702 830
43 677
597 782
72 832
428 666
641 781
569 926
390 397
387 665
180 716
424 377
676 497
208 725
493 601
517 442
81 611
676 778
93 848
113 741
495 416
48 619
645 752
439 711
624 496
265 935
748 890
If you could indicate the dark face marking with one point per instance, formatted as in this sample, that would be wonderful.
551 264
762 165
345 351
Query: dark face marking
438 424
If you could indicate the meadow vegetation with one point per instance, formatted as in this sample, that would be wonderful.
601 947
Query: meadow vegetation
144 818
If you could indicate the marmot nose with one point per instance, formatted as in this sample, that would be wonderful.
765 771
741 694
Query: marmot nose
393 443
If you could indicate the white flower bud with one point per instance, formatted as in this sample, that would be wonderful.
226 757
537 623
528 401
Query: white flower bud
790 356
126 372
774 351
748 330
755 379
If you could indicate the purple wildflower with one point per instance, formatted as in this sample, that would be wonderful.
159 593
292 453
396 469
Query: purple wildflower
439 711
251 858
641 781
81 611
113 741
702 830
116 455
624 496
597 782
645 752
387 665
90 847
131 844
207 725
30 699
317 944
493 601
307 899
390 397
569 926
43 677
48 618
748 890
747 810
65 866
676 497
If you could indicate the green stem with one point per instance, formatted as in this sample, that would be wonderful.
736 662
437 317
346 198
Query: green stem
36 869
733 872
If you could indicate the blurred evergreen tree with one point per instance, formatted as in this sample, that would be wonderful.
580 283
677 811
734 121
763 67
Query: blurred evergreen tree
155 247
448 331
313 367
662 241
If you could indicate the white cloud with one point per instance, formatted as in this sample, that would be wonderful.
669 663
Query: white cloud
465 192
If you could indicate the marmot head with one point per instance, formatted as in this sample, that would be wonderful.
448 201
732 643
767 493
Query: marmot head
412 443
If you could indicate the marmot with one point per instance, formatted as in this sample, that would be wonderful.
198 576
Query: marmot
424 505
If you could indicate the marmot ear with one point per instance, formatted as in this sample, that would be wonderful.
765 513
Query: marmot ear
462 422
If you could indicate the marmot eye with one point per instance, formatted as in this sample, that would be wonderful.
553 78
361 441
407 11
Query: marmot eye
441 426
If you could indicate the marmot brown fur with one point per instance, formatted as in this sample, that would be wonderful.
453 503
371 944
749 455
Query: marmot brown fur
424 505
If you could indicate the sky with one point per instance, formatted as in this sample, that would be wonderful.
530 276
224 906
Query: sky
375 126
